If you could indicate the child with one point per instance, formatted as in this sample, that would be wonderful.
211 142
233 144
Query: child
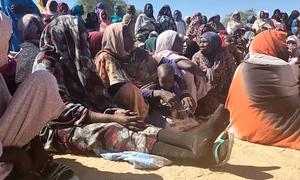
170 84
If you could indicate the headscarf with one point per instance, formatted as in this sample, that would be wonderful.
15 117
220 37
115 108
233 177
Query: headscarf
276 11
295 26
218 26
41 4
194 25
116 18
294 15
103 23
15 10
113 40
204 19
64 51
166 22
214 44
271 43
262 23
251 19
50 11
161 12
165 40
131 10
95 40
63 9
202 29
77 10
91 21
62 42
31 28
148 4
150 44
51 8
214 17
234 24
179 13
5 31
145 24
100 7
294 39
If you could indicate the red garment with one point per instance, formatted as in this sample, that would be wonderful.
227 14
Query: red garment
95 40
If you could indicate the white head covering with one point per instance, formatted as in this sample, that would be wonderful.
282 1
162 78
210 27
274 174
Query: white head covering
165 40
5 31
294 39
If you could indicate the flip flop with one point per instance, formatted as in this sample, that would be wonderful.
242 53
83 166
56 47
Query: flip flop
225 137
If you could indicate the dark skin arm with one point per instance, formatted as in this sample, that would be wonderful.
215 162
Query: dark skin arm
190 67
129 119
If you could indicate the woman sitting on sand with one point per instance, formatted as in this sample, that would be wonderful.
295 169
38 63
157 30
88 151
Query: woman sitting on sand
91 122
263 99
22 116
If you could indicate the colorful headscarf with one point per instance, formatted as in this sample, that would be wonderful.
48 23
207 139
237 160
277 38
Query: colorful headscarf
77 10
41 4
64 51
116 18
15 10
294 15
295 26
196 21
63 9
100 7
270 42
166 22
51 8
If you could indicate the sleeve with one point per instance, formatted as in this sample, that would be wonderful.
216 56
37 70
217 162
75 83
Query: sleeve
73 114
147 93
138 24
182 85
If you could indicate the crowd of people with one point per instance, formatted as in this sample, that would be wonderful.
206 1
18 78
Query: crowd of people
164 86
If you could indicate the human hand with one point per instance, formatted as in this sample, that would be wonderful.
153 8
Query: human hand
189 103
210 75
171 99
131 120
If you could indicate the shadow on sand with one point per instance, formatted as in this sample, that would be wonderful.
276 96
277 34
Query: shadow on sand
248 172
90 173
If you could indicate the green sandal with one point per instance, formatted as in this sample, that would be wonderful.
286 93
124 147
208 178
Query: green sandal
225 137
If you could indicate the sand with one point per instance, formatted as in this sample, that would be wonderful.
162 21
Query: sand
248 161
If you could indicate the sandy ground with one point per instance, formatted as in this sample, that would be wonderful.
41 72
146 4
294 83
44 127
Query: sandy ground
248 161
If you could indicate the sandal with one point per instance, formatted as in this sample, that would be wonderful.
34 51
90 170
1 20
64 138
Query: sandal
58 171
225 137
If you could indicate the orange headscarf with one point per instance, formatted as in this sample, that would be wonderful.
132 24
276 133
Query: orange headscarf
272 43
